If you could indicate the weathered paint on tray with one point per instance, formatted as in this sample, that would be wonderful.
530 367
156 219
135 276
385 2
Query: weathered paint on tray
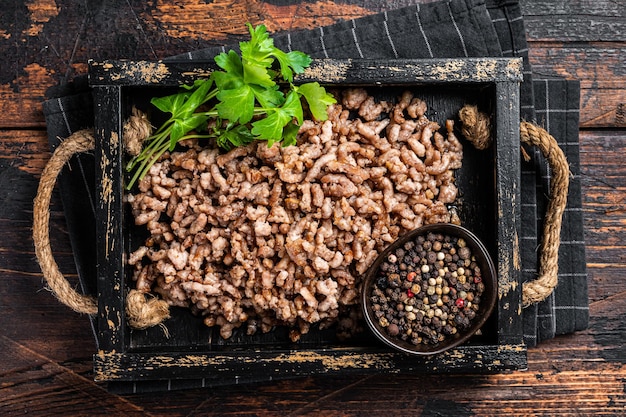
114 366
141 72
329 71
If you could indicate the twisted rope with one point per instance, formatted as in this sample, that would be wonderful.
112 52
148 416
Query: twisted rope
476 130
81 141
141 312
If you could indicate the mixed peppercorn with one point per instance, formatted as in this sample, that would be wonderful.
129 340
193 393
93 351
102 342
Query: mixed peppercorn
427 290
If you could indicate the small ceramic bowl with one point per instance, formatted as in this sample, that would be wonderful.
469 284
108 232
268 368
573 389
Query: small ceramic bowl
456 332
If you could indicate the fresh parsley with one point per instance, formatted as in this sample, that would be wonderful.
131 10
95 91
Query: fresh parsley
252 97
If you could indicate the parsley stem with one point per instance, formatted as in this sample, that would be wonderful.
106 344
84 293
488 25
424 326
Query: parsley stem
214 113
146 165
153 141
197 137
158 145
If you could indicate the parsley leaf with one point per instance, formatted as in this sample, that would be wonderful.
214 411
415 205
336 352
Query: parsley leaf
256 57
182 126
271 127
268 97
237 105
170 104
232 76
237 135
292 62
290 134
317 98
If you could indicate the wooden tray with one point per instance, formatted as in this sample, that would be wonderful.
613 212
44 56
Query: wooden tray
194 355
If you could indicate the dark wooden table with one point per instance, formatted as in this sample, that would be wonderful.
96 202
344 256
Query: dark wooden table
46 350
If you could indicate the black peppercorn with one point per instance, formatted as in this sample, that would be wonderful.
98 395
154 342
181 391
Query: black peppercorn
393 329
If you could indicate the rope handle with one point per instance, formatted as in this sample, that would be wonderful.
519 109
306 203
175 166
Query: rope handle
141 312
476 128
81 141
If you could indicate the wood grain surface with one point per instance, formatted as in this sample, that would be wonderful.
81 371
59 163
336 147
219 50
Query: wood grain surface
46 350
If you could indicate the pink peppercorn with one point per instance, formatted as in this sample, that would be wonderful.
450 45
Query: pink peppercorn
460 303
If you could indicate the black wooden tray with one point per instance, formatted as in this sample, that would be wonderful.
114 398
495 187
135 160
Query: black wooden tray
194 355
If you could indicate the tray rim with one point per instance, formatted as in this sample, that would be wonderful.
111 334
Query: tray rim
326 71
114 366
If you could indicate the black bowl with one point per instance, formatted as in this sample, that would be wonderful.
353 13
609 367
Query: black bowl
487 298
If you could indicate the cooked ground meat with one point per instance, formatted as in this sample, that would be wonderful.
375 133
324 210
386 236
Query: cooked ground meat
281 236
